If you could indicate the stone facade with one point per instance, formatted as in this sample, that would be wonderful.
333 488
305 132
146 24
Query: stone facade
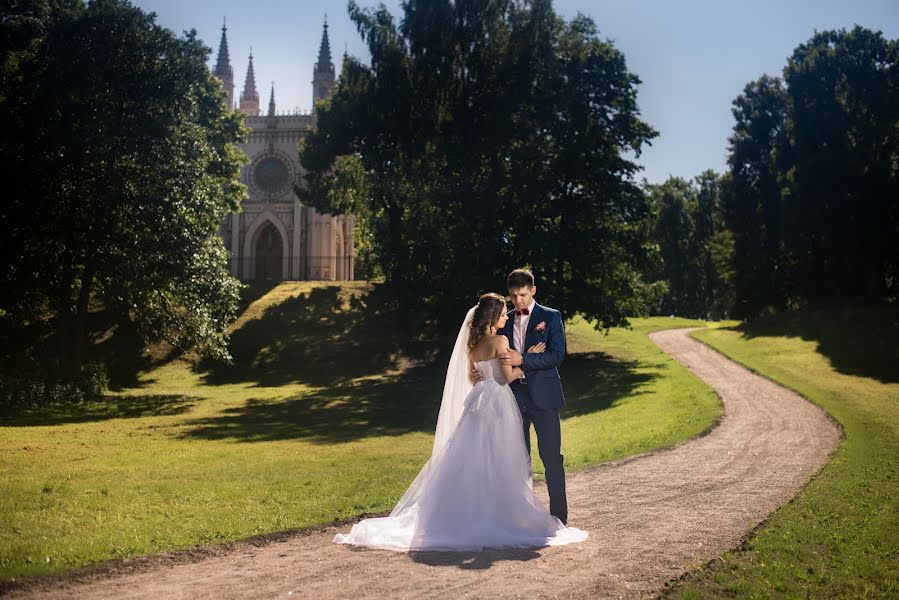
275 237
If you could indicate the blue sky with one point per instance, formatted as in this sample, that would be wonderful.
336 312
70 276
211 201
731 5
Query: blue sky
693 56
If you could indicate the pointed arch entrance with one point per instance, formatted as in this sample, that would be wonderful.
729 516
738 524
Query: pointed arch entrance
273 245
269 254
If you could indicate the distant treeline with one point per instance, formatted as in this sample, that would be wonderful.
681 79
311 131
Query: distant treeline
809 207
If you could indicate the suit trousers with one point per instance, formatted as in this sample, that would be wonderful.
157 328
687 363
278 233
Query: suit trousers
549 445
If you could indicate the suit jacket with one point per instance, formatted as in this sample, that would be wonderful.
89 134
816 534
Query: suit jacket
541 370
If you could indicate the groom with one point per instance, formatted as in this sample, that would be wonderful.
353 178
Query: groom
539 391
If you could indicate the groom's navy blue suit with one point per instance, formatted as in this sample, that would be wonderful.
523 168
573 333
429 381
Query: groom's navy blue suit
540 396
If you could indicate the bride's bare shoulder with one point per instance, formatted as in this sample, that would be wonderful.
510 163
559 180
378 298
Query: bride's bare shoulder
500 341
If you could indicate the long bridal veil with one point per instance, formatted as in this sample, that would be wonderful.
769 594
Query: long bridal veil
456 387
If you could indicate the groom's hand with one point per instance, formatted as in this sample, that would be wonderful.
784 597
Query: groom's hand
511 357
475 376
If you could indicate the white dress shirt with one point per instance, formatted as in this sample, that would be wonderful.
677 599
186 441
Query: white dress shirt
520 328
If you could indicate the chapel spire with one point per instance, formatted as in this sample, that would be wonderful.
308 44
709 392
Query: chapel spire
271 102
249 99
324 51
323 71
223 68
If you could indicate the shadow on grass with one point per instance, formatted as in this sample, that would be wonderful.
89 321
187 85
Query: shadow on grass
102 409
343 412
594 381
398 404
858 340
323 337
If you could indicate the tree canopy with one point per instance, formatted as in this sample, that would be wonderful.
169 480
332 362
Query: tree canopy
125 163
483 136
814 176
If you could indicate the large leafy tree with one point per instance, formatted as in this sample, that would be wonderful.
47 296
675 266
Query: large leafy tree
486 135
844 162
811 192
125 164
753 197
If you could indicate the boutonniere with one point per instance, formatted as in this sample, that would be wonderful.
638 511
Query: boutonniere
541 326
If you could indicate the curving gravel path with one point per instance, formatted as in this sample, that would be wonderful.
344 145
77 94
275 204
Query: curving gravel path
650 518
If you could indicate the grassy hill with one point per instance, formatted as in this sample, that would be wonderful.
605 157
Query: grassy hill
328 412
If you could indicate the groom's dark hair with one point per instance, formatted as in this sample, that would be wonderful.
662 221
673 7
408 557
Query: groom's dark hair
520 278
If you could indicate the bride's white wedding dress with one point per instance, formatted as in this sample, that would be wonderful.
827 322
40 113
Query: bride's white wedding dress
476 489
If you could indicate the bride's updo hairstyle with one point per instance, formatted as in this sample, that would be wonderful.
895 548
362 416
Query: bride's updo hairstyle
487 313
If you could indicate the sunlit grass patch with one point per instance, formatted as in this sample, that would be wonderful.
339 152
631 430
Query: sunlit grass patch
319 420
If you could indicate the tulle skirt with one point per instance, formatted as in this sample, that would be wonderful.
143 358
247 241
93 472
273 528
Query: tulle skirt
475 492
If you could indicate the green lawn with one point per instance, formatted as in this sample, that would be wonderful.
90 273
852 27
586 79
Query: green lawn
319 419
839 538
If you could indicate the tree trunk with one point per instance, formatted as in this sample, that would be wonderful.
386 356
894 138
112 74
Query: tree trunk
563 235
79 324
64 312
395 223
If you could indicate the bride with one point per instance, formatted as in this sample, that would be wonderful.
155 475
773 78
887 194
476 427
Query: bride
476 489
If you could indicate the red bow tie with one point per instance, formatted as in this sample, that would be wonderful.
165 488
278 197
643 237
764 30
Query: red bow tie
522 311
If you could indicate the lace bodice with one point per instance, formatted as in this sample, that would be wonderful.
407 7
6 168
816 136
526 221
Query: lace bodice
491 370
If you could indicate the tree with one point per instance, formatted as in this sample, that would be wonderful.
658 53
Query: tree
811 192
716 245
126 164
844 147
752 197
675 232
491 135
694 244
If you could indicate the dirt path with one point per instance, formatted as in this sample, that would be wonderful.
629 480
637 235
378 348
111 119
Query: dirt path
650 519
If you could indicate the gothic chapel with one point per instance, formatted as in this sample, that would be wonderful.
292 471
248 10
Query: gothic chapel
275 237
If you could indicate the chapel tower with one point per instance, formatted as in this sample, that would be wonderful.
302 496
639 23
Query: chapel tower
249 99
323 71
223 68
